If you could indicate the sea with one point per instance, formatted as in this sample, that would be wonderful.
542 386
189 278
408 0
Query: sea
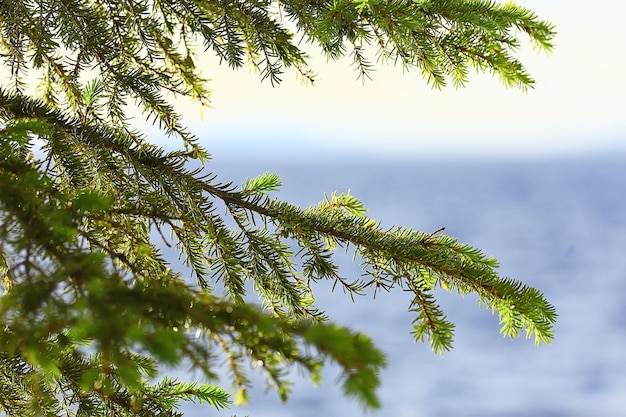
556 223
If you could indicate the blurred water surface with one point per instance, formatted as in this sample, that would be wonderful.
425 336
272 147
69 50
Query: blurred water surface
559 225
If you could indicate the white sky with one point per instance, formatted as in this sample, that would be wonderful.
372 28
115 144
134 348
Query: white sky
577 106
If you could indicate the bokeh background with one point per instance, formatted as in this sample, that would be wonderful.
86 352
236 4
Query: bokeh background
577 105
536 179
558 224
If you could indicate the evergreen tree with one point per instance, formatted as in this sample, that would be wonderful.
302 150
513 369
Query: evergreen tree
90 307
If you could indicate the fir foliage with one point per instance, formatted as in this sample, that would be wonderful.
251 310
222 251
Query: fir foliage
90 307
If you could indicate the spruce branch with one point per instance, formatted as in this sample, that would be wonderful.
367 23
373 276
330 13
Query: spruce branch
83 194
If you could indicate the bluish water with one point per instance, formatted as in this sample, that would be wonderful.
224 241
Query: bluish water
558 225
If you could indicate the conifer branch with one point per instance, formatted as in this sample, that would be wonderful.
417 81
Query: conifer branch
78 265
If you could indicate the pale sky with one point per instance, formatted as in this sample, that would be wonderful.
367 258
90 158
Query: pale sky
578 104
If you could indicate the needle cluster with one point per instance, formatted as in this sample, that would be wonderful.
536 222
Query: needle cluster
91 307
